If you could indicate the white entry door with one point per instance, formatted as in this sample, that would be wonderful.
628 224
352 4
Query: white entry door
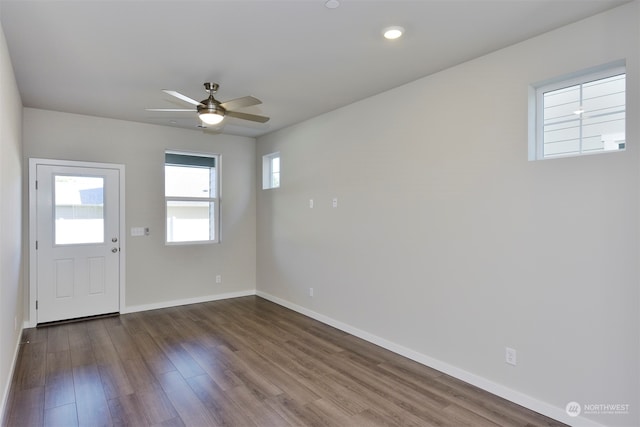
77 241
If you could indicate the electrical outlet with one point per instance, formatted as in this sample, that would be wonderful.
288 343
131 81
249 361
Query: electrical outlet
310 203
218 279
311 292
510 356
335 202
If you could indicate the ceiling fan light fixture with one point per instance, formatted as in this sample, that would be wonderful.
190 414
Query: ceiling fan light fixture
211 118
210 111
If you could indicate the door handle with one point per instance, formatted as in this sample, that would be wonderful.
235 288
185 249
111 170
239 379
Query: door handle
114 250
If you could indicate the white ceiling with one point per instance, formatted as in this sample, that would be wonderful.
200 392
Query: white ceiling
112 58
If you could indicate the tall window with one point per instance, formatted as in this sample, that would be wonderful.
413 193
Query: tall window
271 171
191 197
584 114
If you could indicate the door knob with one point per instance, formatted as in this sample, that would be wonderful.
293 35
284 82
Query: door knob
114 239
114 250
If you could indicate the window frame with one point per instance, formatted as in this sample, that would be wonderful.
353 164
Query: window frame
267 170
536 107
213 198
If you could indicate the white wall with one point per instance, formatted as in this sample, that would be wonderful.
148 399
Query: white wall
450 245
159 275
11 263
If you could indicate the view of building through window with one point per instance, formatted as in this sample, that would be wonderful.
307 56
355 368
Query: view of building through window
583 116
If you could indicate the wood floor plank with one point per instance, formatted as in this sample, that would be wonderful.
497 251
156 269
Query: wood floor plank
140 378
332 414
215 363
280 376
91 402
239 362
222 408
31 365
83 356
255 408
294 412
157 407
115 381
33 335
156 360
123 342
97 332
27 408
59 389
58 339
134 323
191 410
78 336
61 416
127 411
251 374
178 355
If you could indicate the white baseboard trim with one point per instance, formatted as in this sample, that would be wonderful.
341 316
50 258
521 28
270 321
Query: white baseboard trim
5 395
187 301
514 396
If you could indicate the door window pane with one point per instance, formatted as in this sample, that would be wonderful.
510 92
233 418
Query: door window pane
79 209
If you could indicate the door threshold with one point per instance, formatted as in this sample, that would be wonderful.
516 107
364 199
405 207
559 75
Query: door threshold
77 319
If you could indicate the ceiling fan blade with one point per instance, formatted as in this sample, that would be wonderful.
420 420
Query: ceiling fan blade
246 116
172 110
245 101
182 97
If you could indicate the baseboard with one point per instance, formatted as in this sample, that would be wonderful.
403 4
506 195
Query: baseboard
514 396
7 387
187 301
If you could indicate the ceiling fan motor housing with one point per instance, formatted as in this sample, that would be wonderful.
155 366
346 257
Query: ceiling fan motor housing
211 105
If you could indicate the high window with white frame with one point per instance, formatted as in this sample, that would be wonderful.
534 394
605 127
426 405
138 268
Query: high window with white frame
582 114
192 200
271 171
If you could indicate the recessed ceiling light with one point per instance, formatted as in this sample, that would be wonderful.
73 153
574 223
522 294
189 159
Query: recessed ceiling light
332 4
392 33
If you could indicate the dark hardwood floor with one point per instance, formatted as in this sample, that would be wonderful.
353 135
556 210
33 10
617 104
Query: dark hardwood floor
243 362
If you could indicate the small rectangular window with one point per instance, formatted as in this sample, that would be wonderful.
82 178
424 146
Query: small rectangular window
271 171
191 197
79 209
582 114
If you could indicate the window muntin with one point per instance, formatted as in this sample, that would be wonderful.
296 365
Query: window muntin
581 115
271 171
191 198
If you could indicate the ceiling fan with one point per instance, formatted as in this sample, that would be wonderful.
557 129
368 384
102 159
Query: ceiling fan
211 111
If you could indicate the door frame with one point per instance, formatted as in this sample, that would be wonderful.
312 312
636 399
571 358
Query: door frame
33 257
